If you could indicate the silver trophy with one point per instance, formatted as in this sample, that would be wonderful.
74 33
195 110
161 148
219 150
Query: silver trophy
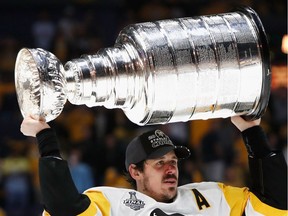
158 72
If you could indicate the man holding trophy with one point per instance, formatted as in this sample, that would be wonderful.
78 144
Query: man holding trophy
160 72
155 173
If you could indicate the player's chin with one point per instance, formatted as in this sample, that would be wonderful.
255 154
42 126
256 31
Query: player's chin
172 188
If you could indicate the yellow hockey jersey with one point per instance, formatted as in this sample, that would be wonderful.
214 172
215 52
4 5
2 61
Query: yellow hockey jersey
195 199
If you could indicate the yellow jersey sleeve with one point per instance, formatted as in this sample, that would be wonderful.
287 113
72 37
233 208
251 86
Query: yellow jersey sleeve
241 199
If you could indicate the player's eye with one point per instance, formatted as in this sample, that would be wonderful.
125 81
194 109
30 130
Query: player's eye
174 162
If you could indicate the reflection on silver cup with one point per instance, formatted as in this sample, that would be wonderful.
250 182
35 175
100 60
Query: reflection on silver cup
159 72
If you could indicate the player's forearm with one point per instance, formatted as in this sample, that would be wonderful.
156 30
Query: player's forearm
48 144
59 193
268 169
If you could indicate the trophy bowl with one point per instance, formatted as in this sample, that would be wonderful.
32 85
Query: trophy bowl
40 83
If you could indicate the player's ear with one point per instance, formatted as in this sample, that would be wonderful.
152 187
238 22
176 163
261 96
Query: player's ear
134 172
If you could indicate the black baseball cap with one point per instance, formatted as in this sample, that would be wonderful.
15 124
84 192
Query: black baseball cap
150 145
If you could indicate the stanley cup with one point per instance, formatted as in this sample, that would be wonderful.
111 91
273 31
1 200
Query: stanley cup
173 70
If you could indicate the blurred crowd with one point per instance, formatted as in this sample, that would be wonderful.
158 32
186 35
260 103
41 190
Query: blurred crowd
93 140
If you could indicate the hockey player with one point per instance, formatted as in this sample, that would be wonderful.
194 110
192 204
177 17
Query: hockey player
151 161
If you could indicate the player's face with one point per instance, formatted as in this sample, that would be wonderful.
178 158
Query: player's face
159 179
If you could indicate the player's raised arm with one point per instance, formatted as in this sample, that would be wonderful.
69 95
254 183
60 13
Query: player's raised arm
58 190
268 168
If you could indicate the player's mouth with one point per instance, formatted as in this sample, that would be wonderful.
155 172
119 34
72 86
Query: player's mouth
170 180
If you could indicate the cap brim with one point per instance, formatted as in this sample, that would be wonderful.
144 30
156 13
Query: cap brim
181 152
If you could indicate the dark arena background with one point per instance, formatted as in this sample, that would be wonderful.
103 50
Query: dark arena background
94 139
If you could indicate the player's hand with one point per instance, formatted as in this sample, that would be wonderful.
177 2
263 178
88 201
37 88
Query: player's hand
31 125
242 124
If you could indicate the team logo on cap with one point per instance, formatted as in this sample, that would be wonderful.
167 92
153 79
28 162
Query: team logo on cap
159 138
133 202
